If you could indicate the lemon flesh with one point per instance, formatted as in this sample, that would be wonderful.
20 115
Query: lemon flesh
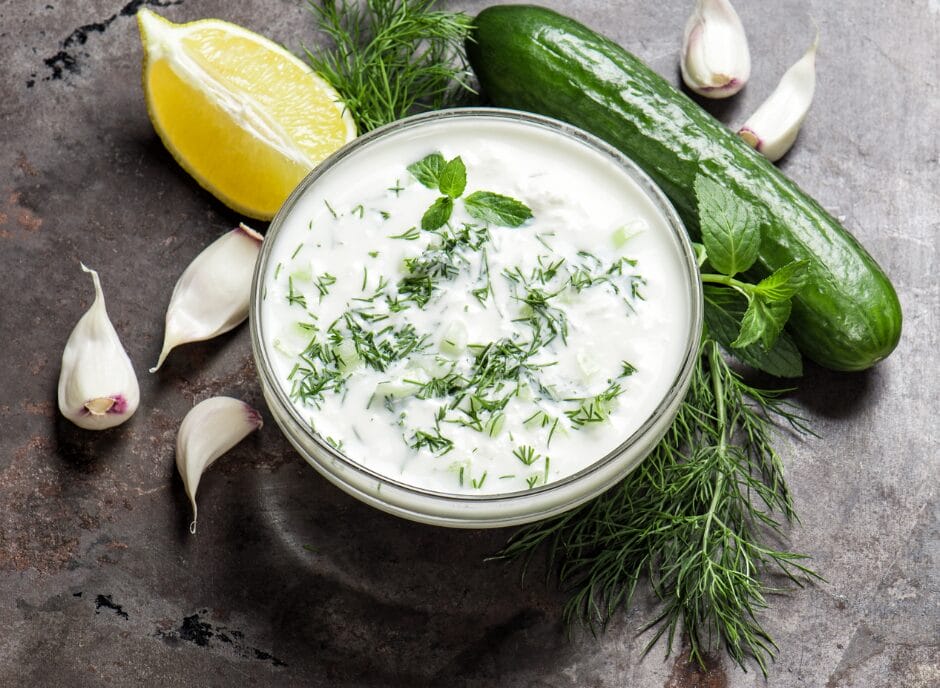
243 116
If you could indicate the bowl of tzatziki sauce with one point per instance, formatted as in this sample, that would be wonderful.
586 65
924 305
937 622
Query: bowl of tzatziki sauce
475 317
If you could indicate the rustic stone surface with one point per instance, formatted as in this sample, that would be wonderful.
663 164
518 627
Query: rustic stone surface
291 582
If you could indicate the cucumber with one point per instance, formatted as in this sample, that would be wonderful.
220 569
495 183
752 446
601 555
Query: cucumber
529 58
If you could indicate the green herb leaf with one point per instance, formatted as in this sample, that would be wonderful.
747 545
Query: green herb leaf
428 170
439 213
763 322
498 209
724 310
730 228
783 283
453 178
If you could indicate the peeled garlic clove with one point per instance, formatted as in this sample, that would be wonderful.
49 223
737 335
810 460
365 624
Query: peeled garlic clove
97 385
211 296
210 429
715 62
773 128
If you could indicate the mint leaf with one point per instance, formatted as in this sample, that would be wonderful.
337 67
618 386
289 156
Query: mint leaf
783 283
724 309
428 170
730 228
453 178
500 210
439 213
763 322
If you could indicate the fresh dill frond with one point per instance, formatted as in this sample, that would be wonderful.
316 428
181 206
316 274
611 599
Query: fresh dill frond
696 519
392 58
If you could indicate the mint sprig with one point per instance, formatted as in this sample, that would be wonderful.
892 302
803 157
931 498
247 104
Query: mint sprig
450 178
749 327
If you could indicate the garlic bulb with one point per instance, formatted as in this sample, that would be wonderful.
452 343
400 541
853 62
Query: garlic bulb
97 385
210 429
715 62
773 127
211 296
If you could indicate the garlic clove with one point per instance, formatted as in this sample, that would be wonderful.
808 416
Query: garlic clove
774 126
208 431
211 296
97 385
716 62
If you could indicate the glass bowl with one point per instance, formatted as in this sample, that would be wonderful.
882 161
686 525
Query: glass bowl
471 510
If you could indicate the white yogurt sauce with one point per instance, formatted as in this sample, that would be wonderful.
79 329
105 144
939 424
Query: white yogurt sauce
451 415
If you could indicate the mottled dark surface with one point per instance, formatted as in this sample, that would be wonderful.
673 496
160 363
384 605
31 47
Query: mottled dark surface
290 582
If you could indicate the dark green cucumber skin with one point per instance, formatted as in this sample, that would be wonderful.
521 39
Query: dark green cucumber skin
530 58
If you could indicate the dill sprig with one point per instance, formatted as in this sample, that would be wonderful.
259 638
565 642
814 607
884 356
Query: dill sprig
696 519
392 58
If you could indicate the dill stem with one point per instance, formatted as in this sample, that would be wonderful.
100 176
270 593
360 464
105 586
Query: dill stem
720 412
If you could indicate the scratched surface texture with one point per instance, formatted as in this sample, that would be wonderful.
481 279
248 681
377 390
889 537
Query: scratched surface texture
290 582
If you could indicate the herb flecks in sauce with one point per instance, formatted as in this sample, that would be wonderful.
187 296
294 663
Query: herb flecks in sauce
506 370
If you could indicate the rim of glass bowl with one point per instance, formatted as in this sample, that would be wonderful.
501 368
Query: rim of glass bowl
655 194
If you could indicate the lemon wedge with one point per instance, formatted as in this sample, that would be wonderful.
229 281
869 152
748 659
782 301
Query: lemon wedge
243 116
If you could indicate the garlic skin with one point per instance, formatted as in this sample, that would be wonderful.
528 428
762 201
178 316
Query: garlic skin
716 62
97 385
208 431
211 296
774 126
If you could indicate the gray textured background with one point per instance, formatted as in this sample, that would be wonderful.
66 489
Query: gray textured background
290 582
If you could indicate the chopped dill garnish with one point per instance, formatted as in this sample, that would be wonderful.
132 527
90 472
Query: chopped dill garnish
409 234
377 349
594 409
433 440
526 454
541 239
294 298
479 483
543 419
441 261
437 387
323 284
